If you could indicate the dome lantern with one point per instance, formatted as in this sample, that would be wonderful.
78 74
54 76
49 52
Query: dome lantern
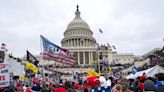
77 13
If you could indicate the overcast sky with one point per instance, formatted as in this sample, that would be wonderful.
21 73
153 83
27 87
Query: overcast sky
133 26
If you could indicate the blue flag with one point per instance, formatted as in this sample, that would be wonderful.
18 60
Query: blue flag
134 70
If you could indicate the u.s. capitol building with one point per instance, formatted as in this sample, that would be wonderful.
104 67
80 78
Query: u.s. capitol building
78 39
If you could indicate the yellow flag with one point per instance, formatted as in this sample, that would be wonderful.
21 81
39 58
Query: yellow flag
110 70
92 73
21 78
30 66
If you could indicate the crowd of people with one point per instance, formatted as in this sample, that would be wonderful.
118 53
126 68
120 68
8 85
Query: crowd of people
89 84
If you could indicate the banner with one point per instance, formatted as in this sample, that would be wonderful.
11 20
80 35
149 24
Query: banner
56 53
15 67
4 75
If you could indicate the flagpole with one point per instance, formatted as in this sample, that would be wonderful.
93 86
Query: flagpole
98 60
98 53
41 46
41 55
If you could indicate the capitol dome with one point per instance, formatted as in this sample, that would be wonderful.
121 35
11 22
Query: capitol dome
77 22
78 33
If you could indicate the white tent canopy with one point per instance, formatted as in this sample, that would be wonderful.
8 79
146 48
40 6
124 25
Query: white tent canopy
149 72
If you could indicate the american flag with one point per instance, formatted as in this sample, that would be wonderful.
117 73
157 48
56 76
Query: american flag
56 53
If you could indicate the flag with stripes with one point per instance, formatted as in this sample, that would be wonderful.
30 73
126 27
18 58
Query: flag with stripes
53 52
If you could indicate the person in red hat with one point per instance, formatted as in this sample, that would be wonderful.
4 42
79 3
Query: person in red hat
92 82
60 89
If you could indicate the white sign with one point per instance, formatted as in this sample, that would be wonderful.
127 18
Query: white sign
4 75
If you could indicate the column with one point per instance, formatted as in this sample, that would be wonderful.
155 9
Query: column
78 58
90 58
84 58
